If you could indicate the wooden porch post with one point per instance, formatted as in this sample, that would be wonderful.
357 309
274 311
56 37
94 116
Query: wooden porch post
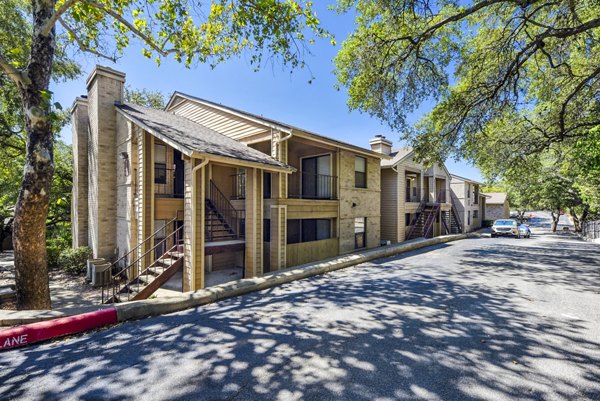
254 223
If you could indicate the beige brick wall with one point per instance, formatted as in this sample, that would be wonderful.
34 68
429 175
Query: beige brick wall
358 202
79 201
105 87
126 238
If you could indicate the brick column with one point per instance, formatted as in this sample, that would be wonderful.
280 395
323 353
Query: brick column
105 87
79 202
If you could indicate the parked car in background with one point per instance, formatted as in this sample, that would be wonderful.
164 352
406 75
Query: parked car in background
505 227
524 231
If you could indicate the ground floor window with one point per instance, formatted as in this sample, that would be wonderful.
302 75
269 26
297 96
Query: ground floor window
407 219
475 214
307 230
360 229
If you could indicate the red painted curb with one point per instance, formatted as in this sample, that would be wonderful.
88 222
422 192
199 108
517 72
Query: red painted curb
35 332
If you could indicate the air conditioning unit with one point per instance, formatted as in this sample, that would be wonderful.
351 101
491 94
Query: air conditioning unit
100 274
90 267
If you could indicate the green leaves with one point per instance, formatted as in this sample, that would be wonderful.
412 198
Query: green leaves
525 74
190 32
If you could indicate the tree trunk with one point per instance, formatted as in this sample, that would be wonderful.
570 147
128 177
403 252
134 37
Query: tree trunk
555 219
579 220
29 229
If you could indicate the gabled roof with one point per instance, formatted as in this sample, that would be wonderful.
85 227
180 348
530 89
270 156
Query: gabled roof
270 123
496 198
459 178
195 140
396 156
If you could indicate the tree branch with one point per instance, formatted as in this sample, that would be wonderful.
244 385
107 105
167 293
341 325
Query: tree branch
563 109
16 75
82 45
56 16
147 39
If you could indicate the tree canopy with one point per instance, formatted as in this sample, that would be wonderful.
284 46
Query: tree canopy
518 75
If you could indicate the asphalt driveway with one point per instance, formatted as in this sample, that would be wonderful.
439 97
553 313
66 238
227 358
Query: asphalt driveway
477 319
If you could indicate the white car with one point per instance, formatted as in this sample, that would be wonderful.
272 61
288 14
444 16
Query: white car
505 227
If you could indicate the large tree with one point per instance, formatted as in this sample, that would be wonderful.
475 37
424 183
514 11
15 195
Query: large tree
520 74
178 28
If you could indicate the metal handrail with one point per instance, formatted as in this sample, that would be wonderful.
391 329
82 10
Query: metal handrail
113 277
238 186
169 187
325 186
115 283
224 207
418 212
454 211
176 245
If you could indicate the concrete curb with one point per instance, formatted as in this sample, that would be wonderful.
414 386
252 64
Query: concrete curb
36 332
57 327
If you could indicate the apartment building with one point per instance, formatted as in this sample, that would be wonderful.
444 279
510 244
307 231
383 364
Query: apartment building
200 187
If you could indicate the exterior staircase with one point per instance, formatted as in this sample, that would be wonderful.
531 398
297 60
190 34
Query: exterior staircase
222 222
217 227
422 224
136 281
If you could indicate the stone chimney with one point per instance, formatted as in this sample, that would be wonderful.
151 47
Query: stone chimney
105 87
381 145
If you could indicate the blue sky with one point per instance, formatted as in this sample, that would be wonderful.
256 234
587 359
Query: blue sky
273 91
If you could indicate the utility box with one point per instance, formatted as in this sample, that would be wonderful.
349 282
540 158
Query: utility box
90 267
100 274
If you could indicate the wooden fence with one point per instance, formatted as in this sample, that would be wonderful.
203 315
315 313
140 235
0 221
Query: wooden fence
591 230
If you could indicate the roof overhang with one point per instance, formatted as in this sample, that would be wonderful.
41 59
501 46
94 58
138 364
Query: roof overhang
274 125
245 116
201 155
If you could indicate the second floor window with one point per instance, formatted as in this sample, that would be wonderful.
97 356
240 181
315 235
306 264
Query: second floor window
360 172
160 164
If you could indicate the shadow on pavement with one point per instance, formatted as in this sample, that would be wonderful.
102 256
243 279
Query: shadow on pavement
368 333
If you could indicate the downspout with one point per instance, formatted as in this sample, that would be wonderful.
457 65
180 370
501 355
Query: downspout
193 225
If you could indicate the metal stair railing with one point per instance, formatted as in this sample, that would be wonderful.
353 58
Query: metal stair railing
454 213
223 208
177 235
433 213
418 212
115 279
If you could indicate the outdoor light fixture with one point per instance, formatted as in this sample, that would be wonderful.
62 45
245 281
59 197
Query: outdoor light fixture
125 157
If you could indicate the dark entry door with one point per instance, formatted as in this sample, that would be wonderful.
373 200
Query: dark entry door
178 184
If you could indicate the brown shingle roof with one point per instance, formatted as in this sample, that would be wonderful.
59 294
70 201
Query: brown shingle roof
189 137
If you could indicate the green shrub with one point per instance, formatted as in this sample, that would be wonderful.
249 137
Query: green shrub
54 247
73 261
53 252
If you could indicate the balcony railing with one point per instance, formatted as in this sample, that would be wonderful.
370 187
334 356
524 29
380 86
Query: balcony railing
413 196
238 186
312 186
166 183
440 197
